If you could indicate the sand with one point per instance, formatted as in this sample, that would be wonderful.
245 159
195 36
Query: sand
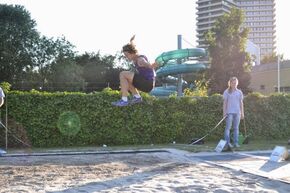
171 171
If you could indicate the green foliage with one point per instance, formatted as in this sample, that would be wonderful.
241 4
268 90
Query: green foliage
200 90
267 117
270 58
5 86
26 57
98 71
46 119
52 57
31 61
227 43
66 76
17 39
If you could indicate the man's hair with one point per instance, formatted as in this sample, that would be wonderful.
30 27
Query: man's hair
130 47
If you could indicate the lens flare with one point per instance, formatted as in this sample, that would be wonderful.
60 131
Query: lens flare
69 123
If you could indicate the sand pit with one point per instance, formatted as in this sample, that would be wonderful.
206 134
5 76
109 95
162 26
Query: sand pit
142 172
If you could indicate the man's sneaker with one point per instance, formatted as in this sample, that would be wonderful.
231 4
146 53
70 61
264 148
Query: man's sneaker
136 100
120 103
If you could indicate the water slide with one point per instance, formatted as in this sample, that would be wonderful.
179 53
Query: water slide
174 63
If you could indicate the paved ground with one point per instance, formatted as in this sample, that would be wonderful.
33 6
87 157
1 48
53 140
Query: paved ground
160 170
254 162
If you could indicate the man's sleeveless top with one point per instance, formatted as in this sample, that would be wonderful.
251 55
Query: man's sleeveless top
147 73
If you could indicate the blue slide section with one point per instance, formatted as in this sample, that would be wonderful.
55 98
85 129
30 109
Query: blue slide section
173 63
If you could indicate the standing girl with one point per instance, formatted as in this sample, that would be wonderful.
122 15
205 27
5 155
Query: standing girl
233 109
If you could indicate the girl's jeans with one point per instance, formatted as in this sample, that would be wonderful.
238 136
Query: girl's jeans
232 119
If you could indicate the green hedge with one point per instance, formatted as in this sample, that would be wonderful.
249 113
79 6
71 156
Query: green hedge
43 119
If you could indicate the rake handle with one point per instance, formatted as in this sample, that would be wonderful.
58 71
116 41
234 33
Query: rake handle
245 129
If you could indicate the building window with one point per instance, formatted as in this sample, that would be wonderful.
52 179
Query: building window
283 89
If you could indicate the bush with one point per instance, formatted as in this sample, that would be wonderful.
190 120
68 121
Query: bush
35 118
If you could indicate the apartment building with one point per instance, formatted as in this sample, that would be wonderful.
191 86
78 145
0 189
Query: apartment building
259 18
207 13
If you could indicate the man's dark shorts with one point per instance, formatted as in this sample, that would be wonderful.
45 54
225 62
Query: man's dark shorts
142 84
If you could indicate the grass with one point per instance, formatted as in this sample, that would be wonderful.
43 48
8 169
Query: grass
253 145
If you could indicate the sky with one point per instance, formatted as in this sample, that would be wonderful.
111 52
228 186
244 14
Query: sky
106 25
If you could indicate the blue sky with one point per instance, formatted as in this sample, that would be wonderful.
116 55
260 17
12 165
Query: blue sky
106 25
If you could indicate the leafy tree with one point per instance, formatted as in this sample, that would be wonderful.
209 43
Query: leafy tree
227 42
99 71
28 80
119 64
123 62
65 75
50 52
47 52
17 39
199 90
271 58
30 61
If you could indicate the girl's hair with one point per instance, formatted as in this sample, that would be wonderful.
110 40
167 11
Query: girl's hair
130 47
230 89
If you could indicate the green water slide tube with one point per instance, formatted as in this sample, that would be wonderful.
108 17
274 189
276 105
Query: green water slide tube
179 54
164 91
175 69
168 63
171 80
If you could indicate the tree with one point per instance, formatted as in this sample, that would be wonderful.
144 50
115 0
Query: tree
118 64
99 71
46 52
227 42
49 52
271 58
17 39
66 75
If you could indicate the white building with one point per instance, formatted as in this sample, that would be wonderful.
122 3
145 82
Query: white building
207 13
259 18
254 51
